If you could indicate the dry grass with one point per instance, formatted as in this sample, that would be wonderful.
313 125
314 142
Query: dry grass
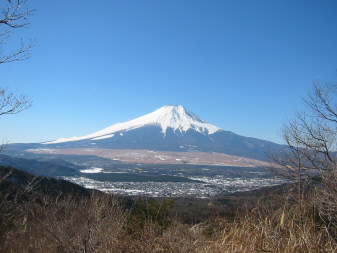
99 224
68 225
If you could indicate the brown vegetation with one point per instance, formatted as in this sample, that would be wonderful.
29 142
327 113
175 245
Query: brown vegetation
99 223
41 218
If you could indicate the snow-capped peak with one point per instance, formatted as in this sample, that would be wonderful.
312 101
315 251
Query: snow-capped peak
170 116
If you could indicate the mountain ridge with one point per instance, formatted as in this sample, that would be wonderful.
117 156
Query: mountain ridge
169 128
170 116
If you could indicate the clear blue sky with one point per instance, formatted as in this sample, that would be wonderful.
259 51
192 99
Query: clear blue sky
243 66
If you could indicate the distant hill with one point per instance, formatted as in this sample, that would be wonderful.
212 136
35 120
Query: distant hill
19 179
52 167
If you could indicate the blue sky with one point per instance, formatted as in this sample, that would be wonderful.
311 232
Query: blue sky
243 66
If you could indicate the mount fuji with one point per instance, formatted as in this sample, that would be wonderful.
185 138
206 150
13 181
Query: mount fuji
167 118
169 128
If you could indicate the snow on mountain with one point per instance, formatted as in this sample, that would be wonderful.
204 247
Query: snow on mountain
175 117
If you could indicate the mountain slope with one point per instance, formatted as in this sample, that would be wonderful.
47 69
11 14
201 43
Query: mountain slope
167 117
170 128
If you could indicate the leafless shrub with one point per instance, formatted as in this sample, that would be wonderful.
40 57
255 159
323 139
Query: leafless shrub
12 209
68 225
311 157
82 226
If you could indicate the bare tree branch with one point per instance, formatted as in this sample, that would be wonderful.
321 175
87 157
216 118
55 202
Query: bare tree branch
12 103
21 54
312 148
13 17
